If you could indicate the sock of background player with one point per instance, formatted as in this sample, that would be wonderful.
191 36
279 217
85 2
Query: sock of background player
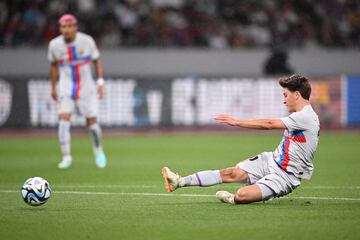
203 178
64 138
95 132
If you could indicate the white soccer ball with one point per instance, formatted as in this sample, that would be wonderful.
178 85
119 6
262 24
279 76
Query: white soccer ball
36 191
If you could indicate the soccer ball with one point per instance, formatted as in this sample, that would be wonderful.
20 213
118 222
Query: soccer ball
36 191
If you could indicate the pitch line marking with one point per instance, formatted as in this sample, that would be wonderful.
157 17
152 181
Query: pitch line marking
161 186
330 187
109 186
176 195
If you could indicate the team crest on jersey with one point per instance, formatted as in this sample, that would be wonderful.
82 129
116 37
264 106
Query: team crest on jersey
81 51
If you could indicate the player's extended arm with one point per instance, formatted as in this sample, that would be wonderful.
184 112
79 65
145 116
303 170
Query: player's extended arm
254 124
99 74
98 68
54 79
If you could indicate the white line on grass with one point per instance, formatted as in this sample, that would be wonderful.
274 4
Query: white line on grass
161 186
331 187
175 195
326 198
109 186
120 193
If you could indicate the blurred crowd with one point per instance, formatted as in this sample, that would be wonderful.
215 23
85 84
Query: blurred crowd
216 24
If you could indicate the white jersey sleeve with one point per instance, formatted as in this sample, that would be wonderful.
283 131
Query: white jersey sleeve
295 121
95 54
51 56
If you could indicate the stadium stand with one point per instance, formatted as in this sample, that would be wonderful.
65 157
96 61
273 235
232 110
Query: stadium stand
185 84
187 23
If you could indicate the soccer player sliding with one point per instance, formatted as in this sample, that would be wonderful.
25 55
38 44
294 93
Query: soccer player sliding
269 174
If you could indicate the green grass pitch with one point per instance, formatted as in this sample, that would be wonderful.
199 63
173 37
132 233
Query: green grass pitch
128 200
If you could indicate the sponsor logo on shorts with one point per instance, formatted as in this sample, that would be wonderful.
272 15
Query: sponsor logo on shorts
253 158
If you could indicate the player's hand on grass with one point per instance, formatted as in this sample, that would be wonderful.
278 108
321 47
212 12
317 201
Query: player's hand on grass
100 90
226 119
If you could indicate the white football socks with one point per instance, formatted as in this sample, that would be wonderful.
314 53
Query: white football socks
64 138
204 179
95 132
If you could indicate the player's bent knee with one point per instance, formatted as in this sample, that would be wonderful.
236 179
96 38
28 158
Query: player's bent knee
90 121
248 194
242 196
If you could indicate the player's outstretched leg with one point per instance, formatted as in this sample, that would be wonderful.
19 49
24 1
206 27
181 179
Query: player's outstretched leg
202 179
64 139
95 132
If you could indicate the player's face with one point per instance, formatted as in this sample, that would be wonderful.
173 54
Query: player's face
290 100
68 30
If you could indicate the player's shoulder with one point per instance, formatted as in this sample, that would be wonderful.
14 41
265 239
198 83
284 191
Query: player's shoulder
55 41
84 36
307 115
307 110
304 115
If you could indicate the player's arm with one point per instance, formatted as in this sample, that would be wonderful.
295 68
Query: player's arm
53 79
254 124
100 78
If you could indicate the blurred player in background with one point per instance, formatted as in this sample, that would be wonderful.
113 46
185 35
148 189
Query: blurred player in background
70 55
269 174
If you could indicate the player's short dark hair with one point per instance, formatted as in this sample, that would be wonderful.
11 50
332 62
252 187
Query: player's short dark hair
297 82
